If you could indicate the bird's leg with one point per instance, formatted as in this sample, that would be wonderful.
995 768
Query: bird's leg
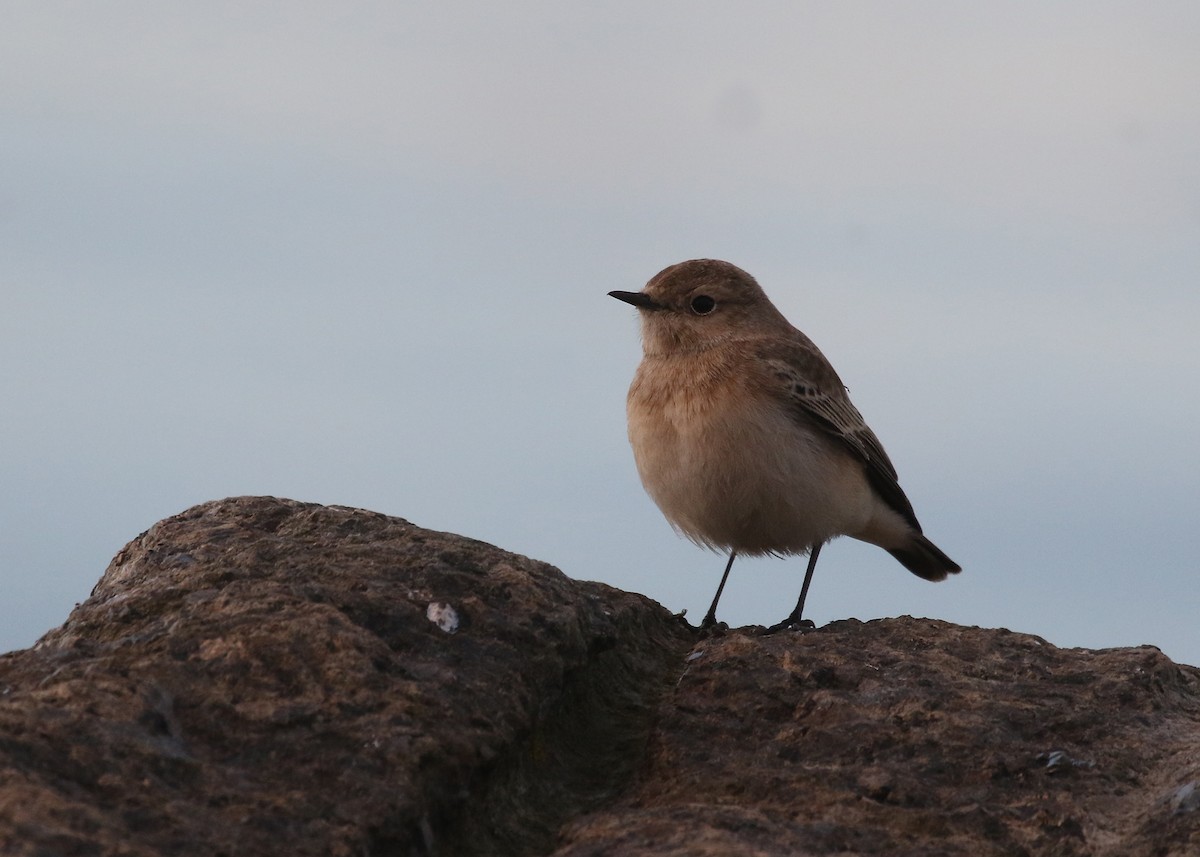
794 619
710 618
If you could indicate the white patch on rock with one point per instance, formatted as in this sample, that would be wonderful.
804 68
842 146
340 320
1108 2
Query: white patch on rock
442 615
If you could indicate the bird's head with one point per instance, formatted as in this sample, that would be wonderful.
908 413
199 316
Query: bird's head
697 304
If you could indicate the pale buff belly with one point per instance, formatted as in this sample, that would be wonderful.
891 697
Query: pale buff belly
746 477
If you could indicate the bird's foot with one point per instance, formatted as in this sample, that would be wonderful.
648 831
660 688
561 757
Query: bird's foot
792 623
710 627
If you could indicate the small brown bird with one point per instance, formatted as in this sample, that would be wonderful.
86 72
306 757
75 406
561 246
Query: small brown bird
745 437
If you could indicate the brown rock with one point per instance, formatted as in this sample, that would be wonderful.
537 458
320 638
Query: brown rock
264 677
914 737
260 676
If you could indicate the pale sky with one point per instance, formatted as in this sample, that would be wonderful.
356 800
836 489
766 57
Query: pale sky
358 253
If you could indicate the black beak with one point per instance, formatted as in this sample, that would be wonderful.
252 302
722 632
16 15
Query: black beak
641 300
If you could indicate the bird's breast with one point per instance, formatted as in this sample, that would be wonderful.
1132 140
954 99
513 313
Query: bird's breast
732 467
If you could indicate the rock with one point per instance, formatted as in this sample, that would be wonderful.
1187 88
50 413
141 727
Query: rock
913 737
264 677
259 676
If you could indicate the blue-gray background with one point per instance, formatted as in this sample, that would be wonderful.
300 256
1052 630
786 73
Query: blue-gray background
357 253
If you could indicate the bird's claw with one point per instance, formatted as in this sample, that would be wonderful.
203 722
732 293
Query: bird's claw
792 623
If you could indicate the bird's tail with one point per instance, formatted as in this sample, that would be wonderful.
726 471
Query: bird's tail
924 559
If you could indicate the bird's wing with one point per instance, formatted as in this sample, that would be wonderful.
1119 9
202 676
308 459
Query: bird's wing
816 395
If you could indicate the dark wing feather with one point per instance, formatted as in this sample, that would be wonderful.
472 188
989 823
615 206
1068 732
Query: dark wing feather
817 396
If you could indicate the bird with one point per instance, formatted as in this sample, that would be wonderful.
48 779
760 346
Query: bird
745 437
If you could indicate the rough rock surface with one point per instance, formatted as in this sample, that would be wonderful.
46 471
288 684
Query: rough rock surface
260 676
914 737
264 677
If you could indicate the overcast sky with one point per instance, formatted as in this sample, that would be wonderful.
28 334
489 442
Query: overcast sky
357 253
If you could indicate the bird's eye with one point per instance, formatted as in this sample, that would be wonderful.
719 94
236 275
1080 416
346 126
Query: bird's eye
703 304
